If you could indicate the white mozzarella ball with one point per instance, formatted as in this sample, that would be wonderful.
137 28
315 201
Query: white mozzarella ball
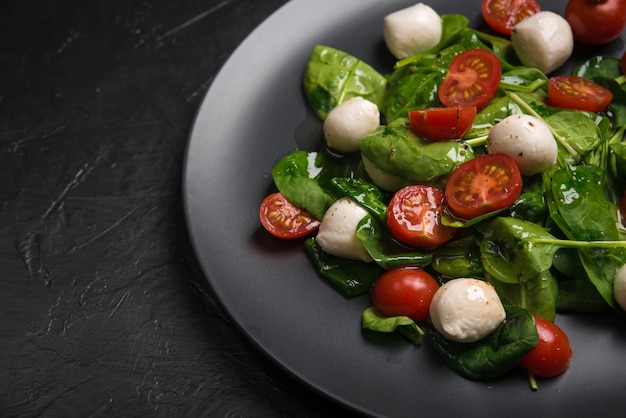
527 139
619 287
381 178
337 232
350 121
543 40
466 310
412 30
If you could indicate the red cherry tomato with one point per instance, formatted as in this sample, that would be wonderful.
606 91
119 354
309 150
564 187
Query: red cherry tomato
502 15
573 92
472 80
552 355
596 22
483 184
405 291
284 220
414 217
443 123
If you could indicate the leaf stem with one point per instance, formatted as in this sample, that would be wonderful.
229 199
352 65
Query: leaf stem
579 244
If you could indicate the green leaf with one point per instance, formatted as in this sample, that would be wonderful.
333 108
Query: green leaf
537 295
299 177
333 76
397 151
494 355
385 251
510 251
350 277
363 193
371 319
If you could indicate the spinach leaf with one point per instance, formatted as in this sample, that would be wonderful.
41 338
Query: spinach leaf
511 253
576 292
494 355
385 251
363 193
302 177
415 86
371 319
537 295
579 206
333 76
458 258
350 277
579 131
599 66
397 151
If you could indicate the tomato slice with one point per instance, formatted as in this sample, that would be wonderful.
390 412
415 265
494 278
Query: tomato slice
414 217
502 15
482 185
443 123
573 92
284 220
472 80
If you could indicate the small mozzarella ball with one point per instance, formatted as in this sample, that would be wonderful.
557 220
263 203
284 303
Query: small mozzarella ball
543 40
381 178
337 232
527 139
466 310
619 287
412 30
350 121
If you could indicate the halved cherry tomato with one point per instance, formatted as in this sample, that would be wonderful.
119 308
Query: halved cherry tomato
483 184
405 291
552 355
284 220
596 22
502 15
472 80
414 217
442 123
573 92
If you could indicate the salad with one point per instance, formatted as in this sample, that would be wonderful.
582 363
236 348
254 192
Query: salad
468 194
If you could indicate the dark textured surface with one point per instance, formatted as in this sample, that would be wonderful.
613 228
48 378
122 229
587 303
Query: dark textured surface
102 312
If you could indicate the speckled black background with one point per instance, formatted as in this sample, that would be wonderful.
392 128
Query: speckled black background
102 312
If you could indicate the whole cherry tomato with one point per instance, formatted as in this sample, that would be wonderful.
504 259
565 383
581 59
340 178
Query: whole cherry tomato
405 291
442 123
552 355
596 22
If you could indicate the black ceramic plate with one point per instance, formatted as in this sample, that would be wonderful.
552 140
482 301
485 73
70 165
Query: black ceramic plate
253 115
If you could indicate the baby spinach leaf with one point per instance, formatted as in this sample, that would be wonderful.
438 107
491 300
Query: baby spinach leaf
371 319
510 252
333 76
363 193
396 150
300 177
599 66
537 295
385 251
350 277
415 86
458 258
579 206
494 355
